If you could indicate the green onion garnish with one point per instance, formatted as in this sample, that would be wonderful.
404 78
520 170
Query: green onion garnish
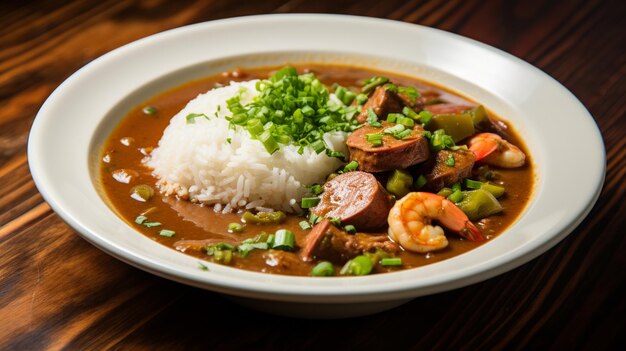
191 118
473 184
376 139
309 202
420 182
352 166
323 269
450 161
203 267
409 112
141 219
151 224
456 187
149 110
395 129
166 232
235 227
316 189
284 240
304 225
314 219
371 83
456 197
411 92
372 118
350 229
391 261
361 99
405 121
425 117
360 265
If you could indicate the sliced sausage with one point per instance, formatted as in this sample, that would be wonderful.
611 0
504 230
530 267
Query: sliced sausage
392 154
383 102
327 242
439 174
355 198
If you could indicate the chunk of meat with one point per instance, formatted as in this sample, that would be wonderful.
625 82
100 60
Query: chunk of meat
383 102
355 198
392 154
439 174
327 242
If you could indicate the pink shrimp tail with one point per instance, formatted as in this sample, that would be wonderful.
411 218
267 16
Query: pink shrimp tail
471 232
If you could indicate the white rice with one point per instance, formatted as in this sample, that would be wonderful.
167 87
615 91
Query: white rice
196 162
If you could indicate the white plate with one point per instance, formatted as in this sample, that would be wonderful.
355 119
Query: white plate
562 137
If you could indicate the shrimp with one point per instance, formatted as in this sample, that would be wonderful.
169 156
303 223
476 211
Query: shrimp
491 149
410 222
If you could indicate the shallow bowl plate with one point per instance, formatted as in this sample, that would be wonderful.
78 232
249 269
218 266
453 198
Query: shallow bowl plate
65 141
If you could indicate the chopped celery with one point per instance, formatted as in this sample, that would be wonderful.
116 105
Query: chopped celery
478 114
458 126
479 204
399 184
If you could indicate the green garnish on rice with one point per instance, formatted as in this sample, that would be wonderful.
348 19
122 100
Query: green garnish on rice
294 109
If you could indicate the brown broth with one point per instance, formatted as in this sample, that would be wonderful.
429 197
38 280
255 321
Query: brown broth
195 222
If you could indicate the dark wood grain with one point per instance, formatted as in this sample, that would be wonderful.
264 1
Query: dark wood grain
57 291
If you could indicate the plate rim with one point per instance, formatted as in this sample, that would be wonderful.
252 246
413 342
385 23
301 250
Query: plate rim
321 293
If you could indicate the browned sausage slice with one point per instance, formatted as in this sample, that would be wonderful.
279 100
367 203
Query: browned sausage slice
439 174
392 154
327 242
355 198
382 102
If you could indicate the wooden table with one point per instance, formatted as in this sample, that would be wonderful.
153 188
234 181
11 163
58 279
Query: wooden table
58 291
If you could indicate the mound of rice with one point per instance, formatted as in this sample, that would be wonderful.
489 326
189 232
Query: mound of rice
196 161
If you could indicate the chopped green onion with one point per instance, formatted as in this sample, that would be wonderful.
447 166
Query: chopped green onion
235 227
350 229
405 121
456 187
309 202
314 219
201 266
393 117
323 269
411 92
268 141
316 189
361 99
456 197
191 118
166 232
151 224
360 265
473 184
352 166
391 261
149 110
439 140
391 87
304 225
403 134
409 112
223 256
372 118
318 146
228 140
284 240
335 221
420 182
395 129
372 83
376 139
425 117
141 219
